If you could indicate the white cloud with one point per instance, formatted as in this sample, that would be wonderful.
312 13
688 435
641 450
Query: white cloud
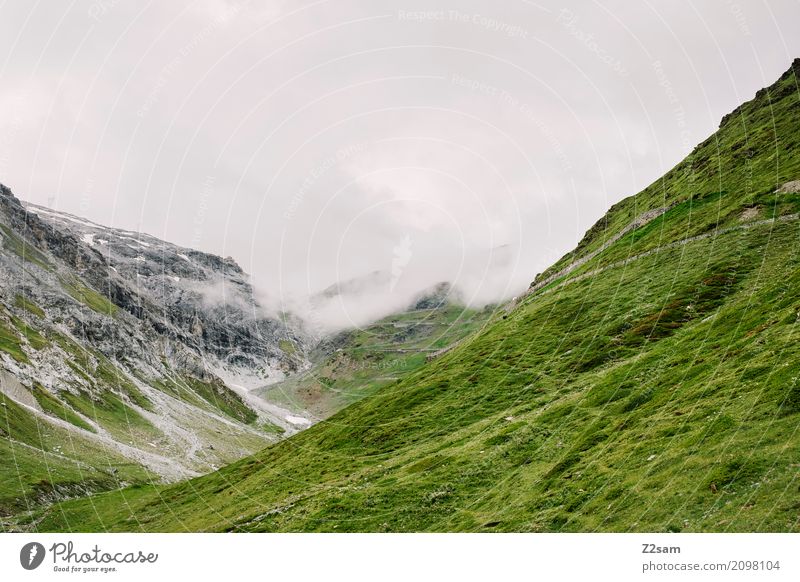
308 140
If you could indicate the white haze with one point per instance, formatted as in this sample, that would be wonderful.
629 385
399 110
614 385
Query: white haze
319 142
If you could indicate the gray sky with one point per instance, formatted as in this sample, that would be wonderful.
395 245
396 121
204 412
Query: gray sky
470 141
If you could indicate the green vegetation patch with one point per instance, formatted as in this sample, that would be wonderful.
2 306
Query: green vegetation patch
57 408
43 464
36 340
89 297
22 249
11 343
222 398
26 304
110 411
287 347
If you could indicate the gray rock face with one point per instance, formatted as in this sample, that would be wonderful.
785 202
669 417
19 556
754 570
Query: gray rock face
79 299
435 297
200 300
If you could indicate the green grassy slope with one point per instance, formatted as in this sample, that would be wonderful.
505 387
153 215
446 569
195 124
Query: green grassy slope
354 364
657 395
42 463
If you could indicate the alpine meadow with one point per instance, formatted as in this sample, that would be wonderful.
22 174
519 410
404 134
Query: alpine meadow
648 381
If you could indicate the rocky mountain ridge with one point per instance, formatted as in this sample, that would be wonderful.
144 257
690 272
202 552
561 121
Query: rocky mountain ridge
149 347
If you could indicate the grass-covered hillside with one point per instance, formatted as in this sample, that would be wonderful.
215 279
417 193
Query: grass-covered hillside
354 364
655 394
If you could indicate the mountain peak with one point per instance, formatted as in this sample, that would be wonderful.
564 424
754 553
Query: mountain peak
786 83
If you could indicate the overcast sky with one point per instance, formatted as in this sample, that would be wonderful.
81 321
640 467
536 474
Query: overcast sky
315 142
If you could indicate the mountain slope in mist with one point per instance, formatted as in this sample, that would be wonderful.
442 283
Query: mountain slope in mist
353 364
648 382
125 358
